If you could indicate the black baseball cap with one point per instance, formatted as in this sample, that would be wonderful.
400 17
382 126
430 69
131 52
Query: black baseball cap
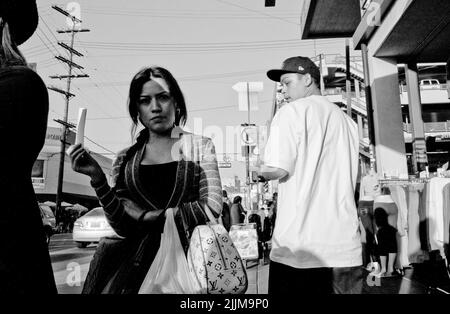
301 65
22 18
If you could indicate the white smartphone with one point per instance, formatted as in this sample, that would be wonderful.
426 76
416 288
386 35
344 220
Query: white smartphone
80 126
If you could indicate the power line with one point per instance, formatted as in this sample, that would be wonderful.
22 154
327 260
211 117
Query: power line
76 85
201 77
88 8
67 93
258 12
195 49
196 16
262 43
101 146
94 83
90 140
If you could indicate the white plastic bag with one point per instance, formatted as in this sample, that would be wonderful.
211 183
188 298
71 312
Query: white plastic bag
169 272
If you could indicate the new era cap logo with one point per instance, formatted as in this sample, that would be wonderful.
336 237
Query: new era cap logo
301 68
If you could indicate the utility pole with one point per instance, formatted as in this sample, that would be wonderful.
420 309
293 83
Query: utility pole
247 158
247 150
322 83
369 106
348 81
67 94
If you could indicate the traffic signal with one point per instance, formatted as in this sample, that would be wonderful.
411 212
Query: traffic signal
254 176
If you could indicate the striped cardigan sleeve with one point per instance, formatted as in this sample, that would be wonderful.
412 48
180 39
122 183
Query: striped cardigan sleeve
210 188
122 213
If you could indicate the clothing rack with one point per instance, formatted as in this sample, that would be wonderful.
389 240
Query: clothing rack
396 181
437 272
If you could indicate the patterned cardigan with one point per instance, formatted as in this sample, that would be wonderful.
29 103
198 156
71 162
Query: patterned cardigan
197 185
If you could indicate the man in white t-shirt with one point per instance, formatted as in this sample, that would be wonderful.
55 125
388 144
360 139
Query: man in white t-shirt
313 150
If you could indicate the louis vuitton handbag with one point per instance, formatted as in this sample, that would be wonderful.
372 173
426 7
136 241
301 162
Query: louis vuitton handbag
215 261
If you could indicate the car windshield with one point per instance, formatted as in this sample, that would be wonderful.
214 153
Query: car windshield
96 212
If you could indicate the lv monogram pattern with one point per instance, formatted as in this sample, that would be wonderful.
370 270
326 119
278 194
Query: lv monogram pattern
215 261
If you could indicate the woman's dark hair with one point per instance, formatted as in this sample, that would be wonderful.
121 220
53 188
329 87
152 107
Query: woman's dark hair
237 200
381 217
9 53
145 75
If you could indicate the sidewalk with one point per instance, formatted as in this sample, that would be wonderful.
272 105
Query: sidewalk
257 274
411 283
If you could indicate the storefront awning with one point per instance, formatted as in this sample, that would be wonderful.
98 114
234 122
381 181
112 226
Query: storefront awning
421 35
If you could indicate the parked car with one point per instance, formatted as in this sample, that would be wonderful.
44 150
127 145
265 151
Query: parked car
430 84
48 220
91 227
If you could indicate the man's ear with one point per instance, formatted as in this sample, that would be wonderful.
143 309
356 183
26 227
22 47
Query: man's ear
308 79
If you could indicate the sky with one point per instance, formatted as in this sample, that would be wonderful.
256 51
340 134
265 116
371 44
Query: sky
208 45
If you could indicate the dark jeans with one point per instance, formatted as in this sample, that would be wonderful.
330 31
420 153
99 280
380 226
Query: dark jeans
284 280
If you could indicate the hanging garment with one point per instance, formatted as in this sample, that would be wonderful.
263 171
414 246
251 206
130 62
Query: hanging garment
398 194
446 196
435 212
415 195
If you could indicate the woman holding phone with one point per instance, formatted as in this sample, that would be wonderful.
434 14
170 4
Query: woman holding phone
165 168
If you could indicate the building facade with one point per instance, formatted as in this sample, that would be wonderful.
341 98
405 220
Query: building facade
76 187
390 34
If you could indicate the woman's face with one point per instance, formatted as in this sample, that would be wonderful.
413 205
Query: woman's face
156 107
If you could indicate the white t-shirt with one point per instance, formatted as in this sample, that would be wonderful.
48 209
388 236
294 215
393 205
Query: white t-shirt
317 224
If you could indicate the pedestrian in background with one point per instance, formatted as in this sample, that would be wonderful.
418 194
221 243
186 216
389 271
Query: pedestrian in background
386 248
225 216
166 168
313 151
237 212
273 209
225 198
25 266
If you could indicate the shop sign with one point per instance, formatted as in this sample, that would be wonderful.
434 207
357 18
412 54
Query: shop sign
224 164
53 137
38 183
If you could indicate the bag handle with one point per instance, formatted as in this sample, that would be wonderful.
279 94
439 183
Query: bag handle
212 220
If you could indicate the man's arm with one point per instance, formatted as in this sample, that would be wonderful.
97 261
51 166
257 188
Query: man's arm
272 173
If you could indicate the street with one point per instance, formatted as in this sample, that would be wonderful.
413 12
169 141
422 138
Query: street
71 264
